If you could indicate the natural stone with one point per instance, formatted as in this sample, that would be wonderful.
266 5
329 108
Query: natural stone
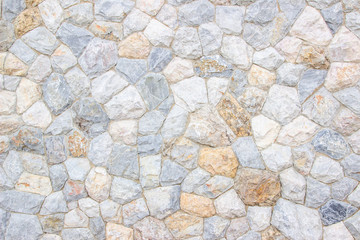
342 188
150 144
252 99
352 226
77 144
132 69
41 40
14 66
151 122
313 56
237 227
317 193
350 98
34 184
353 198
158 34
326 170
310 81
342 75
124 131
100 149
52 223
77 168
58 176
261 12
230 18
247 153
194 179
150 7
277 157
293 185
337 231
35 164
134 211
197 205
10 9
230 205
23 52
213 66
289 74
123 161
335 211
105 10
111 211
62 124
76 233
163 201
215 227
216 87
27 21
178 69
107 30
134 46
333 17
37 115
7 102
172 173
74 190
150 169
183 225
62 59
186 43
124 190
54 203
28 139
344 46
196 13
265 130
52 14
13 166
210 36
289 47
330 143
236 51
40 69
158 59
268 58
135 21
81 14
98 184
259 217
303 157
75 218
29 225
27 93
261 77
116 231
215 186
22 202
151 228
168 16
154 89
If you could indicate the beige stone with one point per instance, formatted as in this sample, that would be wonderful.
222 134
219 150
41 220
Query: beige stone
124 131
38 115
7 102
10 123
183 225
14 66
354 141
197 205
27 93
135 46
313 56
178 69
77 144
33 3
346 122
289 47
344 47
265 130
261 77
2 61
219 161
98 183
150 7
272 233
34 184
342 75
118 232
28 20
107 30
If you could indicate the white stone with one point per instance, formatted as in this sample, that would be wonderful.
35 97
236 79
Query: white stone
354 197
175 123
268 58
76 218
38 115
237 51
344 47
135 21
34 184
265 130
159 34
354 141
100 149
230 18
77 168
89 207
110 211
186 43
62 59
168 16
40 69
277 157
78 82
337 231
98 184
210 36
151 7
289 47
124 131
27 93
342 75
178 69
259 217
7 102
81 14
216 89
150 169
293 185
229 205
326 170
112 10
52 14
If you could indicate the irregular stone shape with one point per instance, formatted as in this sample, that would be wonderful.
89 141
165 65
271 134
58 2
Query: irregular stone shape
317 193
289 47
52 223
194 179
303 157
213 66
247 153
265 130
352 21
28 139
14 66
29 225
35 164
257 187
116 231
178 69
236 51
227 17
22 202
62 124
89 207
342 188
196 13
330 143
7 102
309 82
215 186
77 144
98 184
132 69
124 162
10 9
310 25
105 10
351 166
159 34
186 43
124 131
168 16
8 35
62 59
216 87
158 59
337 231
76 233
150 144
293 185
313 56
277 157
350 98
268 58
197 205
74 191
335 211
100 149
229 205
134 211
77 168
13 166
52 14
27 20
353 198
326 170
124 190
151 228
344 47
279 99
150 7
41 40
40 69
58 176
289 74
172 173
342 75
34 184
333 17
237 227
252 99
74 37
27 93
134 46
207 127
54 203
183 225
352 225
321 107
210 36
5 182
163 201
151 122
297 226
221 161
135 21
261 77
110 211
259 217
23 52
107 30
37 115
261 12
215 227
127 104
9 82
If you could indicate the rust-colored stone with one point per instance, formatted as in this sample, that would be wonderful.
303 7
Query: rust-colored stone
197 205
27 21
77 144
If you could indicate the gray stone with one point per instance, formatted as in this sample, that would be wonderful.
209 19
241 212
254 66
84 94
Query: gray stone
237 51
62 59
257 36
172 173
354 197
163 201
215 227
52 223
268 58
97 227
326 170
293 185
150 169
134 212
40 69
11 82
74 190
335 211
292 9
22 202
186 43
251 235
57 93
29 139
77 233
289 74
112 10
55 149
123 161
151 228
166 105
23 51
110 211
185 152
352 22
23 227
4 217
175 123
342 188
124 190
351 165
151 122
230 18
168 16
81 14
320 4
277 157
303 157
132 69
135 21
12 8
330 143
195 179
5 182
68 3
333 16
100 149
99 56
159 34
310 81
261 12
35 164
54 203
58 176
62 124
7 36
247 153
13 166
353 226
77 168
229 205
350 97
74 37
149 145
41 40
237 85
196 13
51 13
210 36
317 193
215 186
154 89
158 59
213 66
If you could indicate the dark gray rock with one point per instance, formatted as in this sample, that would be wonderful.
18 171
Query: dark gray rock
310 81
29 139
58 176
124 162
335 211
22 202
149 145
196 13
172 173
97 228
213 66
55 149
132 69
23 227
159 58
333 17
330 143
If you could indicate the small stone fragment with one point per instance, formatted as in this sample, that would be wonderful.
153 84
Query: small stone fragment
132 69
342 75
194 179
210 36
74 190
111 211
237 227
158 34
344 47
247 153
123 162
81 14
154 89
52 223
289 47
28 139
268 58
289 74
230 205
151 7
107 30
310 81
150 144
100 149
342 188
354 197
197 205
37 115
333 17
58 176
337 231
313 56
163 201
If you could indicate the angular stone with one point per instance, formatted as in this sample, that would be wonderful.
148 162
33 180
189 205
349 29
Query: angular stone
124 162
326 170
41 40
210 36
183 225
23 52
124 190
98 184
52 223
351 166
22 202
344 47
77 168
337 231
151 122
54 203
342 75
34 184
134 211
127 104
75 218
58 176
10 9
132 69
134 46
335 211
28 139
354 197
8 36
107 30
259 217
236 51
333 17
27 93
112 10
265 130
268 58
215 227
27 20
81 14
150 169
35 164
342 188
150 144
150 7
289 74
154 89
100 149
178 69
76 233
29 225
352 224
135 21
261 77
124 131
293 185
74 191
172 173
77 144
62 124
14 66
313 56
163 201
230 205
37 115
7 102
158 59
168 16
13 166
111 211
52 14
194 179
62 59
215 186
330 143
261 12
216 87
116 231
40 69
252 99
289 47
309 82
230 18
186 43
213 66
237 227
350 97
247 153
196 13
159 34
257 187
197 205
151 228
352 21
317 193
277 157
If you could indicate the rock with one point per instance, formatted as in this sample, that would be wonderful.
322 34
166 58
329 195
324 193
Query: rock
52 223
197 205
282 104
74 37
277 157
100 149
317 193
132 69
34 184
107 30
259 217
293 185
326 170
150 7
344 46
124 190
105 10
237 227
296 227
215 227
342 188
64 3
178 69
40 69
172 173
27 20
289 74
135 21
229 205
194 179
77 168
158 59
52 14
116 231
23 52
62 124
251 235
261 77
151 228
163 201
236 51
10 9
350 98
213 66
41 40
166 105
268 58
76 233
123 162
208 128
333 17
5 181
134 211
29 225
81 14
35 164
196 13
291 9
159 34
110 211
265 130
77 144
134 46
37 115
14 66
289 47
313 56
10 83
310 81
184 225
62 59
230 18
210 36
74 191
28 139
58 176
351 21
150 144
27 93
150 169
7 102
330 143
54 203
151 122
13 166
337 231
216 88
98 184
22 202
168 16
352 226
351 166
75 218
126 104
342 75
247 153
252 99
303 156
124 131
353 198
186 43
215 186
335 211
261 15
257 187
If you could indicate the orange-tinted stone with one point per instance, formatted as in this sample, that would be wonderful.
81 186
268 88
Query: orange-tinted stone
198 205
77 144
